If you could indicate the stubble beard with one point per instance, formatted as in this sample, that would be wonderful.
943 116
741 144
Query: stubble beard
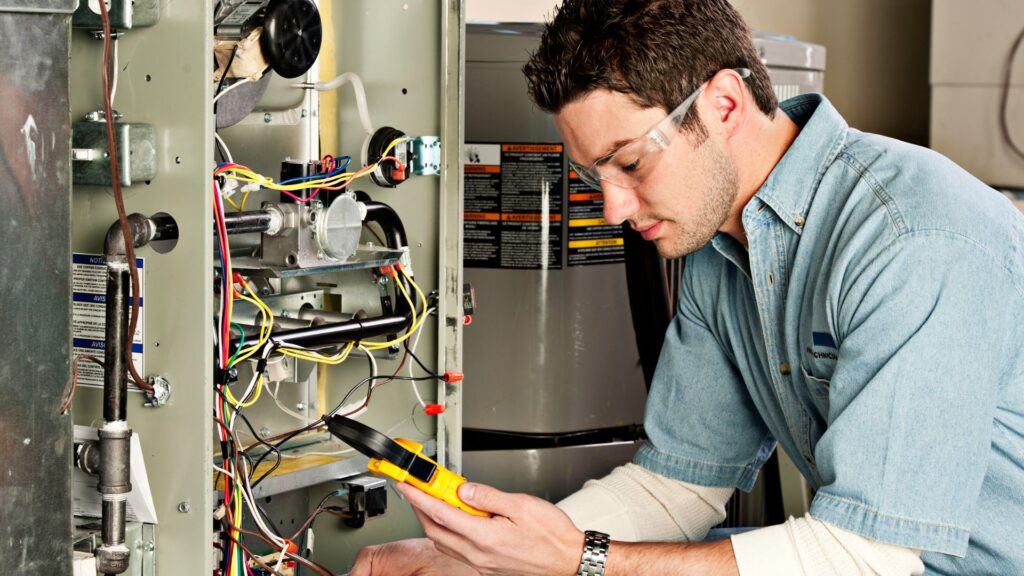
717 200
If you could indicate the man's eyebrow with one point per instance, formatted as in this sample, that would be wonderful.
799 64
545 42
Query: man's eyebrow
615 147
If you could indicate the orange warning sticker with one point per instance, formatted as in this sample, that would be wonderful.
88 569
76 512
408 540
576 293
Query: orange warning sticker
532 148
599 243
530 217
482 169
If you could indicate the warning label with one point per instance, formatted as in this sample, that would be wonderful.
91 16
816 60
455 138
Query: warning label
591 239
513 206
88 313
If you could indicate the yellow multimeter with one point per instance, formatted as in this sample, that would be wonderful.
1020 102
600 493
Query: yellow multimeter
402 460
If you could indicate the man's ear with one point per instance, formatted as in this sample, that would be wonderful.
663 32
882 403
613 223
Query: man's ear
725 103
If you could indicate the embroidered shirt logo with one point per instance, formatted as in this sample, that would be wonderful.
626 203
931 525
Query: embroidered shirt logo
824 346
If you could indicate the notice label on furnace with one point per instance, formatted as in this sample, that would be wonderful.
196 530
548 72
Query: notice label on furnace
89 315
513 206
591 239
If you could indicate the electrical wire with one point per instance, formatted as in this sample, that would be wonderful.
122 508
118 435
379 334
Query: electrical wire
334 181
1004 120
238 83
113 83
412 352
72 385
224 148
122 216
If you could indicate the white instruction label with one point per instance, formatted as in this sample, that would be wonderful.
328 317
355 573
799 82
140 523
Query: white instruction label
89 315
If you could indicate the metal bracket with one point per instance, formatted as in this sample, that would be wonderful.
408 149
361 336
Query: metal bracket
426 156
136 149
161 392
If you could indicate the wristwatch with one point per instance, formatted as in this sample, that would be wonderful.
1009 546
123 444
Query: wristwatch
595 552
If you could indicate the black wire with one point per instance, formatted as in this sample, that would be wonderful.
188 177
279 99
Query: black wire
224 77
252 430
1003 121
420 364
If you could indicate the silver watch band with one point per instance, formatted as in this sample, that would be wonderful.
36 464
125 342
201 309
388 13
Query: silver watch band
595 553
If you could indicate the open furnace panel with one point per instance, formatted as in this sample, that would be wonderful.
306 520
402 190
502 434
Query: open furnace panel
289 172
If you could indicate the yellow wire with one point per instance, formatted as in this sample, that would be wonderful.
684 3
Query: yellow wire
312 356
244 198
416 287
234 402
244 174
412 327
394 143
266 324
232 202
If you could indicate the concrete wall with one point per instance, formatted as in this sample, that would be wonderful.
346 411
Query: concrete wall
877 71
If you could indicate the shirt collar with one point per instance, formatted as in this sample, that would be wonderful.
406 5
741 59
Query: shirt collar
790 187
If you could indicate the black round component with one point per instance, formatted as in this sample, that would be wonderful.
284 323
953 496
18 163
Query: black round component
368 441
387 175
291 36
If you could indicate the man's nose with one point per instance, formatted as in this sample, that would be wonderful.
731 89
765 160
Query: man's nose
620 204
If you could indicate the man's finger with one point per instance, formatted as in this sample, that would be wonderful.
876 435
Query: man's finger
444 540
488 499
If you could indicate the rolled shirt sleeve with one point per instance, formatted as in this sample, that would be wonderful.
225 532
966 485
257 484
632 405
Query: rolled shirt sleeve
923 360
702 425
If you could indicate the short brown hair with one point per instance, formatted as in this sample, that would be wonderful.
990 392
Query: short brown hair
656 51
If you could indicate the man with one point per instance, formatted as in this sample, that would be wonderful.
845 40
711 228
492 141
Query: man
855 299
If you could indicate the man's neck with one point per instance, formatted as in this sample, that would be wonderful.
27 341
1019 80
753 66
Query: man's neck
756 155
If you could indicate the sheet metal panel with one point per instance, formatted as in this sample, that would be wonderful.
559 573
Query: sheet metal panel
35 441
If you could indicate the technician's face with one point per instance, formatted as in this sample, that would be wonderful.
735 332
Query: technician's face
682 201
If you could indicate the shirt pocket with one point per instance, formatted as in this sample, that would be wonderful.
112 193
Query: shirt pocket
818 387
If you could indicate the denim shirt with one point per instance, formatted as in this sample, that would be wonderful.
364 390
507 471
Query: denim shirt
874 328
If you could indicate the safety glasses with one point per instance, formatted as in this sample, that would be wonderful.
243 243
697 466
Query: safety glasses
628 165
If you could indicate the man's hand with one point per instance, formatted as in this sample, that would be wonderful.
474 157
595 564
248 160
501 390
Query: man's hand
408 558
526 536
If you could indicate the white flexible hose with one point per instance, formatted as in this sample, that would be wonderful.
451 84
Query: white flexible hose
357 85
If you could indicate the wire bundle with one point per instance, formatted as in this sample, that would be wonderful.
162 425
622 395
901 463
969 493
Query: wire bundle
338 178
239 469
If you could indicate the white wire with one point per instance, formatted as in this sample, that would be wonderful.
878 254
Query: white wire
373 378
257 517
415 342
296 415
224 148
357 85
267 349
373 363
230 88
223 471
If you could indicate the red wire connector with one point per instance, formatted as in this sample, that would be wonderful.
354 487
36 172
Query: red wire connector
433 409
450 377
389 271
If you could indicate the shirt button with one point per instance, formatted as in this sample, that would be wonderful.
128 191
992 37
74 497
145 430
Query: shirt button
799 220
784 369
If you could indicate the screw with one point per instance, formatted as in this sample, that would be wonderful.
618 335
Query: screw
305 113
146 546
264 431
300 406
184 507
268 118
